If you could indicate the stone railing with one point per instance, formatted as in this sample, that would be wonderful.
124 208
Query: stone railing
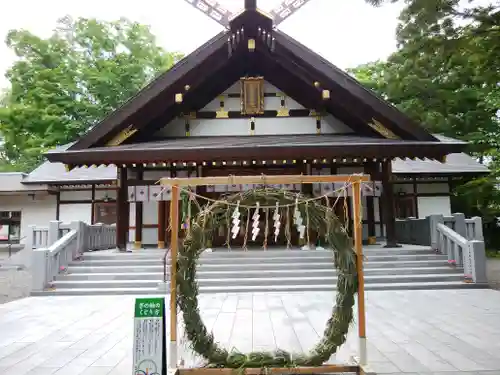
414 231
459 238
100 237
65 242
474 229
41 237
423 231
462 252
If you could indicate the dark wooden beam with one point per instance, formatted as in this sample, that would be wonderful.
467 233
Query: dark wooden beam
58 205
138 214
389 205
370 168
92 208
122 211
209 115
250 4
162 224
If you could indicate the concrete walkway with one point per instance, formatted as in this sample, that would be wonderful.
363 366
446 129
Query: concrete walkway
410 332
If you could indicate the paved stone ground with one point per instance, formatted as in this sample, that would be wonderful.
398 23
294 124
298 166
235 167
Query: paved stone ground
409 332
14 284
493 272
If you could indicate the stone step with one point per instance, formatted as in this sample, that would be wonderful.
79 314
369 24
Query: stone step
111 255
203 260
326 264
239 274
257 258
263 288
405 257
255 281
87 268
257 253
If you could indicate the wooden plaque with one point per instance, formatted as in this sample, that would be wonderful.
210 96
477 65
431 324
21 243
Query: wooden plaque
252 96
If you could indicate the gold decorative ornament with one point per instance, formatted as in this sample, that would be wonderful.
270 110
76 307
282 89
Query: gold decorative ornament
382 130
283 111
221 113
178 98
325 94
252 95
317 84
187 87
251 45
122 136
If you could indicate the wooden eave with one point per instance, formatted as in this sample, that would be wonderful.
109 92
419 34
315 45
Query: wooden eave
233 148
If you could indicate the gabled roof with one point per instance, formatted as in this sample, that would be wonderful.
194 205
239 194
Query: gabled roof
283 61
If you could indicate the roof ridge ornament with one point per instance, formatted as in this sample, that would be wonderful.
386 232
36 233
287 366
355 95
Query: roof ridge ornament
286 9
214 10
221 15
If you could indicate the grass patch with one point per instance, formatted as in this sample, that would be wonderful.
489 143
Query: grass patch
493 253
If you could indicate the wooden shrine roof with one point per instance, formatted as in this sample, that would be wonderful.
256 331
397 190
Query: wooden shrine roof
268 147
284 62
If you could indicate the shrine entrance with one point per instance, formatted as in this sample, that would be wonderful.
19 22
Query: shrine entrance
274 204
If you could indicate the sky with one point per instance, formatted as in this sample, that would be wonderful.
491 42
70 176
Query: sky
346 32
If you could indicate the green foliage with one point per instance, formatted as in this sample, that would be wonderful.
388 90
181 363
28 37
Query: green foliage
63 85
445 75
209 219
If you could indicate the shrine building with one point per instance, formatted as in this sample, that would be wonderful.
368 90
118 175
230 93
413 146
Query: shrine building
250 101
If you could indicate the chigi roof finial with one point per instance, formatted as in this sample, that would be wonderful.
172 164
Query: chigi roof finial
250 4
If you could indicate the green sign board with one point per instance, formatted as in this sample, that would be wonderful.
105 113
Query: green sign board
149 336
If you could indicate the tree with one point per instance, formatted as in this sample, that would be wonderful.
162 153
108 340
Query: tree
445 74
63 85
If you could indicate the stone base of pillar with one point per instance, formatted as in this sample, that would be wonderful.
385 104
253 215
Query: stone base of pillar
390 245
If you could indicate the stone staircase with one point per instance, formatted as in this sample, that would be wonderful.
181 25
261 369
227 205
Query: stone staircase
141 272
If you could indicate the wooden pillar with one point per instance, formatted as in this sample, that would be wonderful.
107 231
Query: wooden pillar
92 205
122 210
415 197
370 207
138 214
58 206
307 189
162 224
388 204
358 247
174 220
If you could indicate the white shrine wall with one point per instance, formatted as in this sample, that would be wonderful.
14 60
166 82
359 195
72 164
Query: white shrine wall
263 126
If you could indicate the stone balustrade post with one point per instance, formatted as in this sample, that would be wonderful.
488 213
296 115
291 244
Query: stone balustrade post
53 234
478 228
81 237
39 269
460 224
434 220
478 260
